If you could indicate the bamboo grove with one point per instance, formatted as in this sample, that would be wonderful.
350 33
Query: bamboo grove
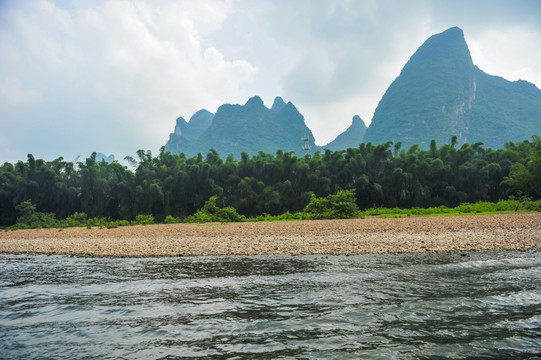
383 175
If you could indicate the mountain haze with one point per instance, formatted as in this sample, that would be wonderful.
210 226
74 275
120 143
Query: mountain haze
440 93
102 157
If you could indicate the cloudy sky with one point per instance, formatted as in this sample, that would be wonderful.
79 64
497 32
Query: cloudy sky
113 75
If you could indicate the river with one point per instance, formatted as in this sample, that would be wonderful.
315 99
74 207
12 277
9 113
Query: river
467 305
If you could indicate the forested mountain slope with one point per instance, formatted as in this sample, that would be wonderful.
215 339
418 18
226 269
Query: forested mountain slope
248 128
440 93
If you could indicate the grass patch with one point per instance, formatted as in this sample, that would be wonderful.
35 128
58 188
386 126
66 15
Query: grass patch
211 215
480 208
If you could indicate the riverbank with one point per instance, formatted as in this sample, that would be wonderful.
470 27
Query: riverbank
356 236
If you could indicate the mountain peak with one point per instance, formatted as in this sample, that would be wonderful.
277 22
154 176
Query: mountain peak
180 125
451 36
356 120
430 98
440 93
455 30
278 104
448 45
351 138
201 114
199 122
254 102
247 128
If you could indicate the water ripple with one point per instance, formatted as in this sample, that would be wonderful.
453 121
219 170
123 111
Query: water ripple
410 306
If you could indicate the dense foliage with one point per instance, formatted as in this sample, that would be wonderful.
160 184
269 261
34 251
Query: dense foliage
212 213
339 206
174 187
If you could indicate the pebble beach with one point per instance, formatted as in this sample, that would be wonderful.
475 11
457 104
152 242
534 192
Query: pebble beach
333 237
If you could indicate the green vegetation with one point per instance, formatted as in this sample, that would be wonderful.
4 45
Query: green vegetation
29 218
251 128
171 220
339 206
144 219
212 213
334 184
501 207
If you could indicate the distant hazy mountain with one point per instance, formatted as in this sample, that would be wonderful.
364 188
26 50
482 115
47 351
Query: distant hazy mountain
440 93
186 132
352 137
245 128
101 157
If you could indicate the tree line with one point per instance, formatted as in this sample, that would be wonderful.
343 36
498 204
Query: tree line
384 175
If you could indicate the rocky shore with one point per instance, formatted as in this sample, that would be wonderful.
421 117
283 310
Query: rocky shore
358 236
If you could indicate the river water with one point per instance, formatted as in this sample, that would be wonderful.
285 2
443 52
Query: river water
411 306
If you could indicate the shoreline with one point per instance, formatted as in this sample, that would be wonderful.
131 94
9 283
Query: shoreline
309 237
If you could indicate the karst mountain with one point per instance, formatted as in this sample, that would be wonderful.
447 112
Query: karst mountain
439 93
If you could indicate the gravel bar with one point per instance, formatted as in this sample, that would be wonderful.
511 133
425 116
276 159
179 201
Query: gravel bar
358 236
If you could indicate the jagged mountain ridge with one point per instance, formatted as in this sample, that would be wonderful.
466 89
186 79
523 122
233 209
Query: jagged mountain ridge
186 133
199 122
102 157
248 128
440 93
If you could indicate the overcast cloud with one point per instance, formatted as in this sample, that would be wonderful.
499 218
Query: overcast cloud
113 75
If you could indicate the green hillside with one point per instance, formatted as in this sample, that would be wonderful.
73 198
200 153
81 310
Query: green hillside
503 110
187 132
440 93
248 128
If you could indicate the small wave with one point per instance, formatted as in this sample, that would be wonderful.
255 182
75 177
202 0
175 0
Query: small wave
411 306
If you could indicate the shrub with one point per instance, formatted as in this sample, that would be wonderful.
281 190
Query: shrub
289 216
27 213
228 214
339 206
210 206
29 218
79 216
144 219
199 217
101 222
171 220
210 212
77 219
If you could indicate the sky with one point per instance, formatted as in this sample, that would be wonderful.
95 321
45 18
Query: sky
112 76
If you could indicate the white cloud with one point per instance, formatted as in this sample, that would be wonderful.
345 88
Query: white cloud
338 57
16 93
511 52
113 75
